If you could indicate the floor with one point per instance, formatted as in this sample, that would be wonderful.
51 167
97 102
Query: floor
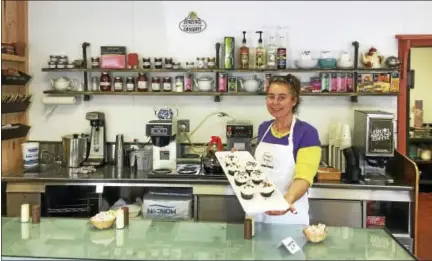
424 226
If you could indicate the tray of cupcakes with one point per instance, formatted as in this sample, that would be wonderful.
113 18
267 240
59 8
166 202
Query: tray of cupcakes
255 191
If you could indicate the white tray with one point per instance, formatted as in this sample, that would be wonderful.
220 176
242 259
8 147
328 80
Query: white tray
258 204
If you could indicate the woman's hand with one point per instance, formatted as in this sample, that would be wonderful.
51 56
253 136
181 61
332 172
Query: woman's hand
283 212
233 149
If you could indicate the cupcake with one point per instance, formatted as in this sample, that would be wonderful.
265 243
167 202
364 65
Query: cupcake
247 191
251 166
267 189
257 176
241 178
233 169
231 159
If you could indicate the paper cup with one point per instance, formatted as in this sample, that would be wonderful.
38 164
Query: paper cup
30 154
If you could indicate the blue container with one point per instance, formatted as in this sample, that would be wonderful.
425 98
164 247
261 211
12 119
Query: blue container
328 63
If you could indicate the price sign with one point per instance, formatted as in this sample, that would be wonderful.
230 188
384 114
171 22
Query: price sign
290 245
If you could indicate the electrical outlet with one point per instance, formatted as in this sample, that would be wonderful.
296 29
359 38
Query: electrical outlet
185 123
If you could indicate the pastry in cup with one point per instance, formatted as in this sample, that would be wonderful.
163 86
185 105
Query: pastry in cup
251 166
241 178
247 191
257 176
233 169
267 189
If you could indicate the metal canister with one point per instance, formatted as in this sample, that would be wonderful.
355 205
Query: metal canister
74 150
119 151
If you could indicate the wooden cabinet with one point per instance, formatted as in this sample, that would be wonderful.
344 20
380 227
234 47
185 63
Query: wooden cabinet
14 30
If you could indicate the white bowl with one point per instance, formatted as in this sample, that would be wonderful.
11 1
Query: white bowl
306 64
345 64
134 210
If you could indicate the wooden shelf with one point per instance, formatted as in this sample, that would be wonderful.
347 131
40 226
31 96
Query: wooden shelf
346 94
13 58
423 162
291 70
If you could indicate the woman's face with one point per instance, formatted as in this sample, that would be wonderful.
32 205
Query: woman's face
280 101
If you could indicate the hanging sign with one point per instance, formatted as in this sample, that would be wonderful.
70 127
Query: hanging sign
192 24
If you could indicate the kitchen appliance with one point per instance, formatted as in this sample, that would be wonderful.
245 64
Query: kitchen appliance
374 144
74 150
239 135
163 136
98 149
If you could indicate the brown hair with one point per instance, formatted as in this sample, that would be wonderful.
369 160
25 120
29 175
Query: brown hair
294 84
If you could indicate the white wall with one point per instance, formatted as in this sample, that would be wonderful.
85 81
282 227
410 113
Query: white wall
421 62
151 29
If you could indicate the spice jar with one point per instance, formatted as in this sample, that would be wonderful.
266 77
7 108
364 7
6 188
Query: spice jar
52 65
61 65
95 62
201 63
190 65
63 59
158 63
179 84
167 84
146 63
177 66
118 84
70 65
105 82
156 84
168 63
53 58
211 63
142 82
130 84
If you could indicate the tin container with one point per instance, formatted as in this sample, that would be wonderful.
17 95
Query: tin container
188 82
222 82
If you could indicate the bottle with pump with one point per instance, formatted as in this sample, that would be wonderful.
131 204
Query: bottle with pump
260 53
271 53
281 54
244 53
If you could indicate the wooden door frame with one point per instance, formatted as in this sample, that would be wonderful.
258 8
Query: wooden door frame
405 43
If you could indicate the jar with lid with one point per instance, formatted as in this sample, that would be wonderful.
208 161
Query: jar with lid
190 65
146 63
63 59
168 63
61 65
156 84
53 58
118 84
94 84
167 84
179 84
211 62
52 65
158 63
177 66
105 82
201 63
142 82
130 84
95 62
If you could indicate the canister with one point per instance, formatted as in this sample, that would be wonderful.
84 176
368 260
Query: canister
74 150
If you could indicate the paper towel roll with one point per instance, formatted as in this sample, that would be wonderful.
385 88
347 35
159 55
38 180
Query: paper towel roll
59 100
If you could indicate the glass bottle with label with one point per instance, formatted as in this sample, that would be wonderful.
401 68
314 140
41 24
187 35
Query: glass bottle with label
118 84
167 84
105 82
271 53
260 53
281 54
244 53
156 84
142 82
130 84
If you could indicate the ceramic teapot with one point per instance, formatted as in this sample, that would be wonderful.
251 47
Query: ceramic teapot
372 59
251 84
165 113
345 60
204 84
63 84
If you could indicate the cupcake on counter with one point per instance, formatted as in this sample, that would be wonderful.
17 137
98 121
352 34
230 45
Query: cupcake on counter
267 189
241 178
257 176
247 191
233 169
251 166
231 159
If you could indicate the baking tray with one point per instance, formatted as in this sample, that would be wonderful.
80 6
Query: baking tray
258 204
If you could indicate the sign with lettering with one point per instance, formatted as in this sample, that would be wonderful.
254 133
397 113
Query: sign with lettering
381 136
290 245
192 24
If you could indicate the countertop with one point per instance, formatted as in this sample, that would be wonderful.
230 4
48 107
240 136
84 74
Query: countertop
111 174
151 240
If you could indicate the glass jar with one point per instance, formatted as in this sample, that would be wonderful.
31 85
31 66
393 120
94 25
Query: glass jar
167 84
168 63
156 84
200 63
146 63
95 62
177 66
142 82
179 84
211 63
105 82
130 84
118 84
158 63
190 65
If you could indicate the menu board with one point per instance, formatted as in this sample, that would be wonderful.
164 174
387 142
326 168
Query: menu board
381 138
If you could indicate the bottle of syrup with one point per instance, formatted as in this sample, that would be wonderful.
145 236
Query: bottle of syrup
260 53
244 53
281 54
271 53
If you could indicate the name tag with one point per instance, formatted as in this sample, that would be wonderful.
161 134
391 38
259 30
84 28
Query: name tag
290 245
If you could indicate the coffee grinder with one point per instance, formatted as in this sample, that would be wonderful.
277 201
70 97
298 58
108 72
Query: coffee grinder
163 136
374 144
239 135
98 148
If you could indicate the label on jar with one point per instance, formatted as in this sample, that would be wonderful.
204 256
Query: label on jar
167 86
158 63
210 64
129 86
156 86
146 64
118 86
244 58
105 85
142 85
95 64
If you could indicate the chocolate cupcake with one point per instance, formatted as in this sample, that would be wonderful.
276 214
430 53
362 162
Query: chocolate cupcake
233 169
241 178
257 176
267 189
247 191
231 159
251 166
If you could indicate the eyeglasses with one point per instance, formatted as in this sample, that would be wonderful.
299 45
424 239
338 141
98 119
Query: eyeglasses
287 79
278 98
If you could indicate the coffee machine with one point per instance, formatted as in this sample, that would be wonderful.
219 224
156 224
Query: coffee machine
163 137
374 144
239 135
98 148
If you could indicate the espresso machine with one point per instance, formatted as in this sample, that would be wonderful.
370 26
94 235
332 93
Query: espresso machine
163 137
98 148
374 144
239 135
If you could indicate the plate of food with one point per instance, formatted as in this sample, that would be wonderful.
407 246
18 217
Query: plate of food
255 191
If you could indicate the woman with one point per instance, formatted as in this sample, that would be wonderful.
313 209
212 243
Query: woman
290 150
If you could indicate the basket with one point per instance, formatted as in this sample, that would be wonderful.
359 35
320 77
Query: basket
102 224
315 237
